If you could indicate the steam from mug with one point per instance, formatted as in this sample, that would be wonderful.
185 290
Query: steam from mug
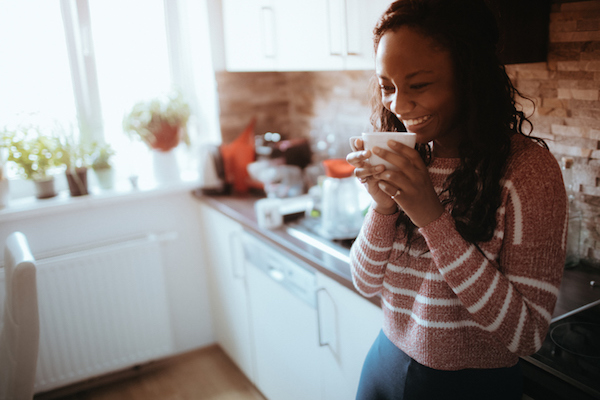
380 139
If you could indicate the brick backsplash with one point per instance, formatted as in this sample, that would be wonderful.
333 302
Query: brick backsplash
331 106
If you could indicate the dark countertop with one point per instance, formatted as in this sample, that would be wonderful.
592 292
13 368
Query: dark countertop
291 237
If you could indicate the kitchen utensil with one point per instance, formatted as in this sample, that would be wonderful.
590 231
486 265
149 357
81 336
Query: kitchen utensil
341 211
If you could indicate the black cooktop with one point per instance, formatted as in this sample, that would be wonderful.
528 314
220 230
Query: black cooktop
571 350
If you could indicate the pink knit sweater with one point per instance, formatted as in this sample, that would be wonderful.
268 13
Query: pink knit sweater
450 305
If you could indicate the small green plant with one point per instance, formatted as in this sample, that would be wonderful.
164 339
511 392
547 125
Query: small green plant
148 119
72 153
34 152
101 154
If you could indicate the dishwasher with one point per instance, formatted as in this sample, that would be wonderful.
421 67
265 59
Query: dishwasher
285 329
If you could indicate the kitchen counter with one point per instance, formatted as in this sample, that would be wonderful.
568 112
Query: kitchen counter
328 257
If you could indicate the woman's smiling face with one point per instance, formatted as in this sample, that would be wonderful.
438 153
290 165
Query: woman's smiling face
417 84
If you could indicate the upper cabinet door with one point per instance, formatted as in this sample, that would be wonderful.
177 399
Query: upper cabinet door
308 35
360 19
249 35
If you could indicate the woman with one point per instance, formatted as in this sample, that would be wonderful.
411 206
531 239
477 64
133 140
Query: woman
466 244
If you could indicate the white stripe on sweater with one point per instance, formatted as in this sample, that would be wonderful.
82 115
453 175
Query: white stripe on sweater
419 274
420 298
565 230
396 290
357 287
486 297
503 311
541 310
514 344
431 324
459 261
413 252
373 247
518 233
366 273
472 278
536 283
363 255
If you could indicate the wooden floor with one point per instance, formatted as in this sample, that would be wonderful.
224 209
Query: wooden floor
202 374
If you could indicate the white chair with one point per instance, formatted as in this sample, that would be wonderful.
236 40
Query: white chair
19 340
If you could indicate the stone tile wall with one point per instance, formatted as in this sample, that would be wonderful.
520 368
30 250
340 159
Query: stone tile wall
566 91
329 107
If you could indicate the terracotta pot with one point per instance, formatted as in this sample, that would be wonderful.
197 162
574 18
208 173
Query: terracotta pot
77 180
166 138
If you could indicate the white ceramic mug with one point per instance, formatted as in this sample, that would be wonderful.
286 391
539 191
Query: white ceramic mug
380 139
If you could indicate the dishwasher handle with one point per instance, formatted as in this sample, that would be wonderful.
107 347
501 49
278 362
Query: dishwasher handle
275 273
331 342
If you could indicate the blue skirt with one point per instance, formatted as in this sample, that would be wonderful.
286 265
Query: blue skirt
389 374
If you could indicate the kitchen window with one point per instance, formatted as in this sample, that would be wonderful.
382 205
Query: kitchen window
86 62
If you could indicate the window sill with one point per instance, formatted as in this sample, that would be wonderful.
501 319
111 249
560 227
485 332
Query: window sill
31 207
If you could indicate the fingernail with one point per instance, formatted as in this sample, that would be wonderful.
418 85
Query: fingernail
376 150
379 168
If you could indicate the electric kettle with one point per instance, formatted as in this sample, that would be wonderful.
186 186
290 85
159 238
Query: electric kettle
344 201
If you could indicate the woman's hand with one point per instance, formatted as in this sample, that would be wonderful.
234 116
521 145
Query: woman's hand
383 203
410 187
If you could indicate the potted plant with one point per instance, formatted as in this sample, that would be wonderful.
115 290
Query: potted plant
74 155
35 154
160 122
100 161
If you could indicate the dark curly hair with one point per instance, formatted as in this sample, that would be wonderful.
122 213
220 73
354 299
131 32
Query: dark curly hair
488 113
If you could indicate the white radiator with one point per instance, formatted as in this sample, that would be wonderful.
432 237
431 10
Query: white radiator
102 308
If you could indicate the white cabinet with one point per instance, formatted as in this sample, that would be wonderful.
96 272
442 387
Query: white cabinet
349 323
248 35
229 299
291 35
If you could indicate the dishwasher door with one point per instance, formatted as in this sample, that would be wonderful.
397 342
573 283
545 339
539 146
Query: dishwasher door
282 296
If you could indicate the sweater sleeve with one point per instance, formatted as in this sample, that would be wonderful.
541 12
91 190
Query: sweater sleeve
511 296
370 252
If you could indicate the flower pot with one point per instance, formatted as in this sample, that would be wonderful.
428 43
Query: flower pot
44 189
165 138
165 167
105 177
77 179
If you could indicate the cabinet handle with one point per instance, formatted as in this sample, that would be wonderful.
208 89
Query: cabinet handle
332 343
352 36
237 269
321 342
335 9
268 31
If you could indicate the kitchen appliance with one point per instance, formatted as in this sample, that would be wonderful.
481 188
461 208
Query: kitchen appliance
571 353
342 203
212 172
283 304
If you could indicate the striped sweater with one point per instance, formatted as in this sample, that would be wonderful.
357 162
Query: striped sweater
450 304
